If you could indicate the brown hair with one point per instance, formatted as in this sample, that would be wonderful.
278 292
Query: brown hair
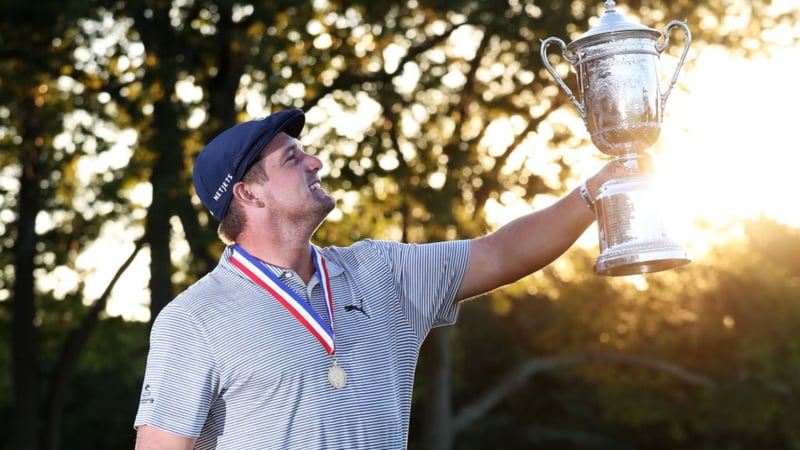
235 219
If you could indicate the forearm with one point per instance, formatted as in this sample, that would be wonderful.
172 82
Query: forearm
531 242
525 245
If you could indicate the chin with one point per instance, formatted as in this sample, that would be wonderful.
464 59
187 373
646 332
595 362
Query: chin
326 205
330 204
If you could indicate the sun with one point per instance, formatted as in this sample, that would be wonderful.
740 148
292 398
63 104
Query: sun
727 148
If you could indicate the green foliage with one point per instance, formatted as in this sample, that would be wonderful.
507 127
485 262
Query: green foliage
112 364
731 317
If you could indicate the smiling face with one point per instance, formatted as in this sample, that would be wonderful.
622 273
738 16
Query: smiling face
292 196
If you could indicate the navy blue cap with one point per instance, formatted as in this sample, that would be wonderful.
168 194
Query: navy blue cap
223 162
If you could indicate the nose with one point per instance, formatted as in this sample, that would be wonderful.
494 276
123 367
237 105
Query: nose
313 163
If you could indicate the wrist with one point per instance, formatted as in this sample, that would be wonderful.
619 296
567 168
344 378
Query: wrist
586 195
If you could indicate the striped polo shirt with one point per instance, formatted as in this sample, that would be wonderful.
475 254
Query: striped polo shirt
231 366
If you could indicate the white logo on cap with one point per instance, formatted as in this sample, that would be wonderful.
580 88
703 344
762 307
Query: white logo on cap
223 187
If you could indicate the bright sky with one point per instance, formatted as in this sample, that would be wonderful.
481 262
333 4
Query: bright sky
728 147
726 152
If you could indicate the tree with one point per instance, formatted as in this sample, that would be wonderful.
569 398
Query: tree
45 226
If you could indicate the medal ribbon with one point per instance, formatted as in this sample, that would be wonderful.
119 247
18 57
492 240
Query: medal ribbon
299 308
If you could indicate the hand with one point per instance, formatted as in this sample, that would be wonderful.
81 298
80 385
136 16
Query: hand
640 164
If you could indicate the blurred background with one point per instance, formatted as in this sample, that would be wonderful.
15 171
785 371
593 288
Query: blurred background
435 120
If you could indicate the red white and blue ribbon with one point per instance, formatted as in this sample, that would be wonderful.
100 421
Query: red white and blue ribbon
300 309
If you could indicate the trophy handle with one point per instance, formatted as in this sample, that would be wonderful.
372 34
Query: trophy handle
571 59
660 48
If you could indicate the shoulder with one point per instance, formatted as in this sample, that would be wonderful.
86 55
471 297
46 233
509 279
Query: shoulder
215 292
371 253
365 254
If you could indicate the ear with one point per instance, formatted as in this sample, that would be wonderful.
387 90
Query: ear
242 192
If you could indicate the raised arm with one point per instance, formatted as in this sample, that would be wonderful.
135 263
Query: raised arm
530 242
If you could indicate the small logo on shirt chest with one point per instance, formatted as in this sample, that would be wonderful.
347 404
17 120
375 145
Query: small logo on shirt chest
358 308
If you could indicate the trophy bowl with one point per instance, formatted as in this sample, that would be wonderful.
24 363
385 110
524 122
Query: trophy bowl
621 102
619 82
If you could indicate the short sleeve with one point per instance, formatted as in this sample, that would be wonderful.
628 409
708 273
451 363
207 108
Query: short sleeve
427 279
181 380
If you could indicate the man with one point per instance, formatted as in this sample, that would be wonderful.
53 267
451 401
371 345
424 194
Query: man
287 345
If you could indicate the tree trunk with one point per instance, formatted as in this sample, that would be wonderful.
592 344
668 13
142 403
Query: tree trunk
158 237
438 432
23 333
166 145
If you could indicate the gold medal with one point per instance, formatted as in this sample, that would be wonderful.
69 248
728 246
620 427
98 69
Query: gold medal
336 376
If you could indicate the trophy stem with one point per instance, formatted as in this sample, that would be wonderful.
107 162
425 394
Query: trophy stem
632 164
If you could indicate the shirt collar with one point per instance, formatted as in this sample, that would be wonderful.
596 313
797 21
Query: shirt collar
333 268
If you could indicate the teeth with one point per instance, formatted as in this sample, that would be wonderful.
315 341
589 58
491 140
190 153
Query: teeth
315 186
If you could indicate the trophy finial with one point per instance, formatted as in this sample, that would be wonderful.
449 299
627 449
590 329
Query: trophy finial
610 4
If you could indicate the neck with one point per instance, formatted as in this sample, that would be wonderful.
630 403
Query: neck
279 241
297 258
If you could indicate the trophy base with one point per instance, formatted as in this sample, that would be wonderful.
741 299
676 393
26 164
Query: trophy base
639 259
633 235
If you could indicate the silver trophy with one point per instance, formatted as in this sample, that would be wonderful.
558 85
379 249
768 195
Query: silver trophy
622 106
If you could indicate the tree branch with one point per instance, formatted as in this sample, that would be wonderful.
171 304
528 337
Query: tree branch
73 345
519 376
345 81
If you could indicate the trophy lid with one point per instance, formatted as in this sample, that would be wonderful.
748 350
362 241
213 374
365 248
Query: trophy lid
611 25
